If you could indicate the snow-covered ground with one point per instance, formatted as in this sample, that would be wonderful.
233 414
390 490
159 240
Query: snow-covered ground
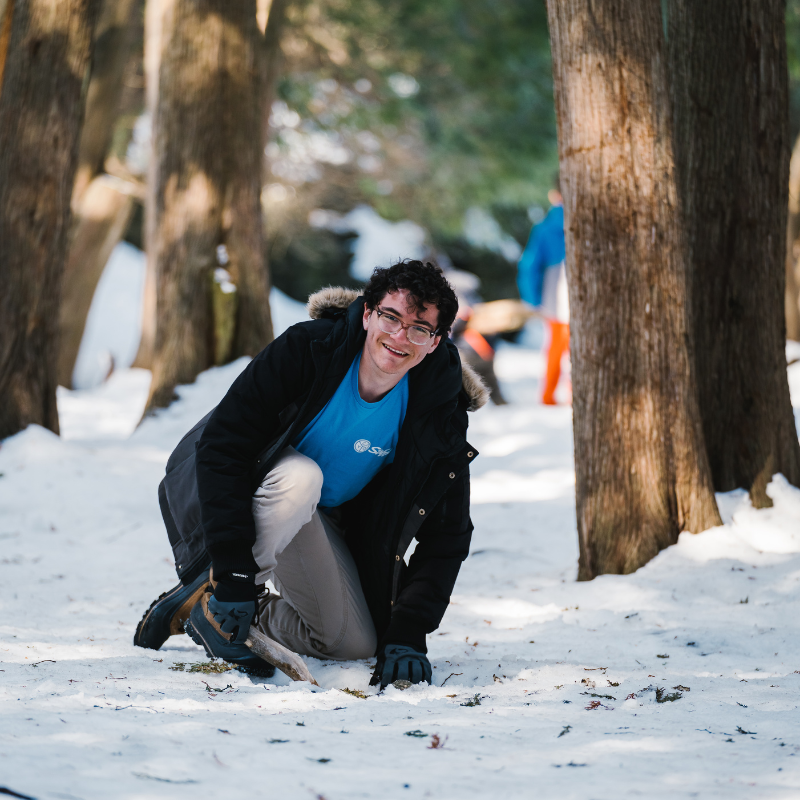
544 687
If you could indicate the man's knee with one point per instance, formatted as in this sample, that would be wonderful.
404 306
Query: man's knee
295 475
304 477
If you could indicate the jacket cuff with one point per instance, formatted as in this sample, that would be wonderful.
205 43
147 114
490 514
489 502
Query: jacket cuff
406 630
227 557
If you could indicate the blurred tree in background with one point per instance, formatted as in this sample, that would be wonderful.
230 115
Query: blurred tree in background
792 300
102 206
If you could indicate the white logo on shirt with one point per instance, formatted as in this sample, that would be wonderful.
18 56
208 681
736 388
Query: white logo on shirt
362 445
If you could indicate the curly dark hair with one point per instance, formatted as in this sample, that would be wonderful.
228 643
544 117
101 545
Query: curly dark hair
425 283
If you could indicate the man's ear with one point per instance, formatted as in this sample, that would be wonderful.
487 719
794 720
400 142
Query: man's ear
436 340
365 318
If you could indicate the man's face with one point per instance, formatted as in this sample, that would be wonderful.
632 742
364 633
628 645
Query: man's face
393 353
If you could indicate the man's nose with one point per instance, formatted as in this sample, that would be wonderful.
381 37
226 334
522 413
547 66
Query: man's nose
404 332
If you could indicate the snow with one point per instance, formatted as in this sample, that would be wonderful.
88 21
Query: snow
114 324
536 667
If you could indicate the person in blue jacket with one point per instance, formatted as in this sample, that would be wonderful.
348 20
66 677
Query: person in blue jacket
542 282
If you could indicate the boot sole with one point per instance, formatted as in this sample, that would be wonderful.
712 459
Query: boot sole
259 667
152 632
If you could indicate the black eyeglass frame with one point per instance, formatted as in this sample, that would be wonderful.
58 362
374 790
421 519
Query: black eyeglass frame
404 325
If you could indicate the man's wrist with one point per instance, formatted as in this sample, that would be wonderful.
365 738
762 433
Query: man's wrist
233 563
235 587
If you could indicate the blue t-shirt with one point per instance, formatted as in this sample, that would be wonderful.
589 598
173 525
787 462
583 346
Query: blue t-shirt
351 440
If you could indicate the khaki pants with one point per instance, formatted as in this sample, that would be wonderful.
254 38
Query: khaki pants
321 610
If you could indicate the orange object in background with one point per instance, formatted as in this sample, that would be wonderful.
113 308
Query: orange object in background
559 344
479 344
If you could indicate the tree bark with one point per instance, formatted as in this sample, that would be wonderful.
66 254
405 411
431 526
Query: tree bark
642 475
41 107
273 56
154 11
730 98
111 47
208 151
792 295
99 213
6 15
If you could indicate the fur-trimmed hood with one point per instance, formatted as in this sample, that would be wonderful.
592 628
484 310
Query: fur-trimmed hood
339 298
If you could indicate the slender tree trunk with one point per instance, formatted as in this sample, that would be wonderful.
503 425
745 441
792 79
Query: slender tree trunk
730 99
154 11
792 296
41 107
105 210
208 151
273 58
101 207
641 469
112 42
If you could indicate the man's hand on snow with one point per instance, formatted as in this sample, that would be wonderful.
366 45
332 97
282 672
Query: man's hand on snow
400 662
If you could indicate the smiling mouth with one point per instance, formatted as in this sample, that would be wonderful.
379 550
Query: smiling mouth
394 352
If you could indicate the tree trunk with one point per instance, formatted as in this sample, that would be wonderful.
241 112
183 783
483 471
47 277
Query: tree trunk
792 296
273 57
208 151
6 15
154 11
41 107
642 475
730 100
105 210
111 47
100 213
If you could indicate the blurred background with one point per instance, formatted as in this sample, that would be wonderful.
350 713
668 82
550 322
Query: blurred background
408 129
390 130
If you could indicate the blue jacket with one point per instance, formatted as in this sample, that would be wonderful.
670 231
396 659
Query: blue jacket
545 249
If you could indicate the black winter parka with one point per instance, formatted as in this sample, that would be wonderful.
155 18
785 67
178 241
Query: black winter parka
424 494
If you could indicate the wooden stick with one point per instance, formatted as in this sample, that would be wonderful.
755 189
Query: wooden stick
284 659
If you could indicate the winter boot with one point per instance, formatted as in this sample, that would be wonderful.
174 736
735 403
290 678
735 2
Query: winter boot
205 631
166 616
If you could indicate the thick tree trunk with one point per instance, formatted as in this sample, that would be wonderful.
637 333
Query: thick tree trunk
792 295
208 151
730 99
41 107
641 469
105 210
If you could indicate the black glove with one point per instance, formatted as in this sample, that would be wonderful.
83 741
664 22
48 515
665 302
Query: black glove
400 662
233 605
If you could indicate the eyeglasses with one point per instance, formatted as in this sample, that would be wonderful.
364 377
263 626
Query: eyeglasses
416 334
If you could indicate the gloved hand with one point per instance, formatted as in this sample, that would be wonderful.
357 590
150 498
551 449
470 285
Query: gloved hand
233 605
233 618
401 662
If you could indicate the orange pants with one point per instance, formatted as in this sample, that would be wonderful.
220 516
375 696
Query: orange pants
559 344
